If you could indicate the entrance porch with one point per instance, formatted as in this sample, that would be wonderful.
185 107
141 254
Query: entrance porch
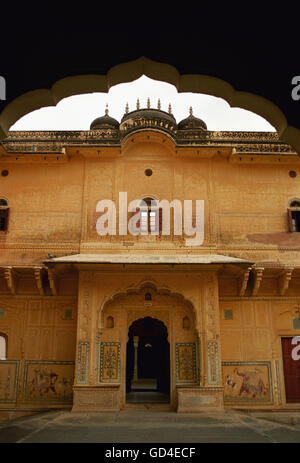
148 331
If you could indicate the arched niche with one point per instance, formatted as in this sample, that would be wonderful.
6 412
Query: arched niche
110 323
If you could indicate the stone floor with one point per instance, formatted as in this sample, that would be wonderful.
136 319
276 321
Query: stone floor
142 426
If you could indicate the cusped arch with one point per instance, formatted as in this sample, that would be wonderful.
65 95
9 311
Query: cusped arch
137 289
127 72
139 324
294 202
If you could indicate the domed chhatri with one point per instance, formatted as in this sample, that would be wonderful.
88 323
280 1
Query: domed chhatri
105 122
192 122
148 113
148 118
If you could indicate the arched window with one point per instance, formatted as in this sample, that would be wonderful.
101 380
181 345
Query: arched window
4 210
295 203
294 215
150 216
3 346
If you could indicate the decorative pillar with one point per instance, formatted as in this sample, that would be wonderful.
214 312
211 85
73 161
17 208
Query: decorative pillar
199 352
135 371
84 330
207 395
212 331
97 372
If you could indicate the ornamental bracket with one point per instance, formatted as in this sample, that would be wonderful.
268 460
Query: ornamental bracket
52 281
10 279
284 280
38 279
244 281
258 275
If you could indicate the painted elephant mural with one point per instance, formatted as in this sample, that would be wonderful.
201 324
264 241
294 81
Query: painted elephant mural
246 382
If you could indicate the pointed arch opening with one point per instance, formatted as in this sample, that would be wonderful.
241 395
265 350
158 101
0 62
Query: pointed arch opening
148 362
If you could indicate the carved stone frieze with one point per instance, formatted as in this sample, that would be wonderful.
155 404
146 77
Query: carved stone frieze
83 357
213 370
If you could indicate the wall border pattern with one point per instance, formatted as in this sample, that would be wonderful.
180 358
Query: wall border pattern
83 361
9 387
213 375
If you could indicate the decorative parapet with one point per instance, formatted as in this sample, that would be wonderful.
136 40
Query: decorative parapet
55 141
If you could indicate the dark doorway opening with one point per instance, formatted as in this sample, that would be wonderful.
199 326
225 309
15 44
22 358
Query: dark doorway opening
291 369
148 362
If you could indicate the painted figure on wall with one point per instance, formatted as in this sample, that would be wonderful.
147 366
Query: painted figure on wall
45 383
246 382
252 383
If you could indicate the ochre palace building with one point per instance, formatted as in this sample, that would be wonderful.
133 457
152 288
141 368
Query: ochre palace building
95 322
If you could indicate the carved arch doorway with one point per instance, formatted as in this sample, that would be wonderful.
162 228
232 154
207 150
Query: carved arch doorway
148 362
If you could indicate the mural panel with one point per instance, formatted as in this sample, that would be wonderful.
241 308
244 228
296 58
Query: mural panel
186 367
109 362
247 383
9 376
48 381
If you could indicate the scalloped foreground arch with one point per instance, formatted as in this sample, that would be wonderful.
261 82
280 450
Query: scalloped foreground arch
130 71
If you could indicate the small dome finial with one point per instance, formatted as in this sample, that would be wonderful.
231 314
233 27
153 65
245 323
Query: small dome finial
191 111
158 104
170 108
148 103
127 108
106 110
138 104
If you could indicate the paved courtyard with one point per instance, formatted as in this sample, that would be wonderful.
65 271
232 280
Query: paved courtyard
139 426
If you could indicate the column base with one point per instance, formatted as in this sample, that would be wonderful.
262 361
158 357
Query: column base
96 399
200 399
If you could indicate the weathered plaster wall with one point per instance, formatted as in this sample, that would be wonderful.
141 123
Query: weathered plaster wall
53 205
41 335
